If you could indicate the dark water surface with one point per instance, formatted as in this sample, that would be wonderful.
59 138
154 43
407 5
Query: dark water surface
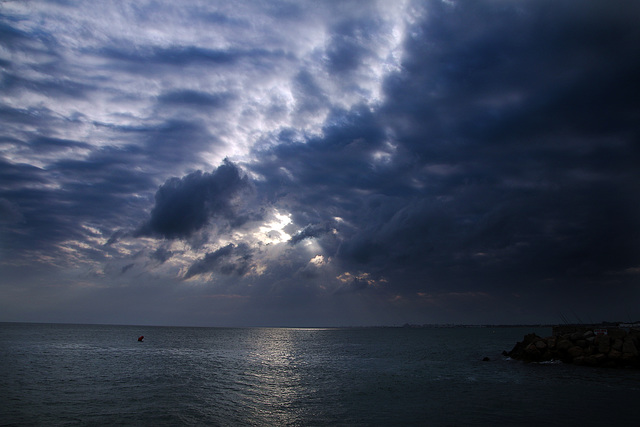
99 375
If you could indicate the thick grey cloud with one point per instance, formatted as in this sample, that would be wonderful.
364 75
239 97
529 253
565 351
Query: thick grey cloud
348 48
161 255
511 158
230 259
194 99
310 231
185 205
526 131
9 212
388 162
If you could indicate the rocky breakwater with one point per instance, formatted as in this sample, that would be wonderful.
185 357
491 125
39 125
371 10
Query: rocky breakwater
610 347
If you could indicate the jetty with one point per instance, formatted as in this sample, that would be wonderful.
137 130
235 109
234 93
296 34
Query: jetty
606 345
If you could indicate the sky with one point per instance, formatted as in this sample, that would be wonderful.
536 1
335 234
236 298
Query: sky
306 163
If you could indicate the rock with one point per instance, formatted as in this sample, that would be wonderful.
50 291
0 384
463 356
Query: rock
628 359
575 336
617 333
617 344
564 344
575 351
541 345
628 347
600 358
486 359
581 346
551 342
603 343
526 349
614 354
635 338
592 360
532 353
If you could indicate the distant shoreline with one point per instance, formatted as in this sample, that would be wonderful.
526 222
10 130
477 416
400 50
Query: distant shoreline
405 326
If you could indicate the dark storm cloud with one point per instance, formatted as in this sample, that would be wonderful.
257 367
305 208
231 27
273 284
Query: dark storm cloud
89 182
230 259
9 212
147 59
48 75
40 229
161 255
105 173
521 115
15 176
185 205
33 42
309 96
115 237
310 231
9 33
167 147
30 116
175 55
177 140
352 286
194 99
327 169
52 87
517 73
55 200
53 216
349 44
424 152
514 134
48 144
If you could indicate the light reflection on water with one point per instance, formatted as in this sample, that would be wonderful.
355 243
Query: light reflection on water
68 374
274 373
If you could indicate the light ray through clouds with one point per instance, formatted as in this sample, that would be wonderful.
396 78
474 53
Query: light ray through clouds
318 163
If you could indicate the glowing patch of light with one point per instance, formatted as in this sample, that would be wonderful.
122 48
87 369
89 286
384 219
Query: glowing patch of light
273 232
364 277
381 157
95 235
317 260
385 156
259 270
286 172
311 246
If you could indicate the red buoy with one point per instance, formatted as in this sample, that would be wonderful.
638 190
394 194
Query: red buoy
140 338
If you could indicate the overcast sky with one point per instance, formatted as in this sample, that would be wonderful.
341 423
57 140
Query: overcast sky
319 163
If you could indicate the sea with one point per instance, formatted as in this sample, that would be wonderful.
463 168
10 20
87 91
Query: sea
91 375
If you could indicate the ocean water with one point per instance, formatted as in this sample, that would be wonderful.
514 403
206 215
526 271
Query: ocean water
52 374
